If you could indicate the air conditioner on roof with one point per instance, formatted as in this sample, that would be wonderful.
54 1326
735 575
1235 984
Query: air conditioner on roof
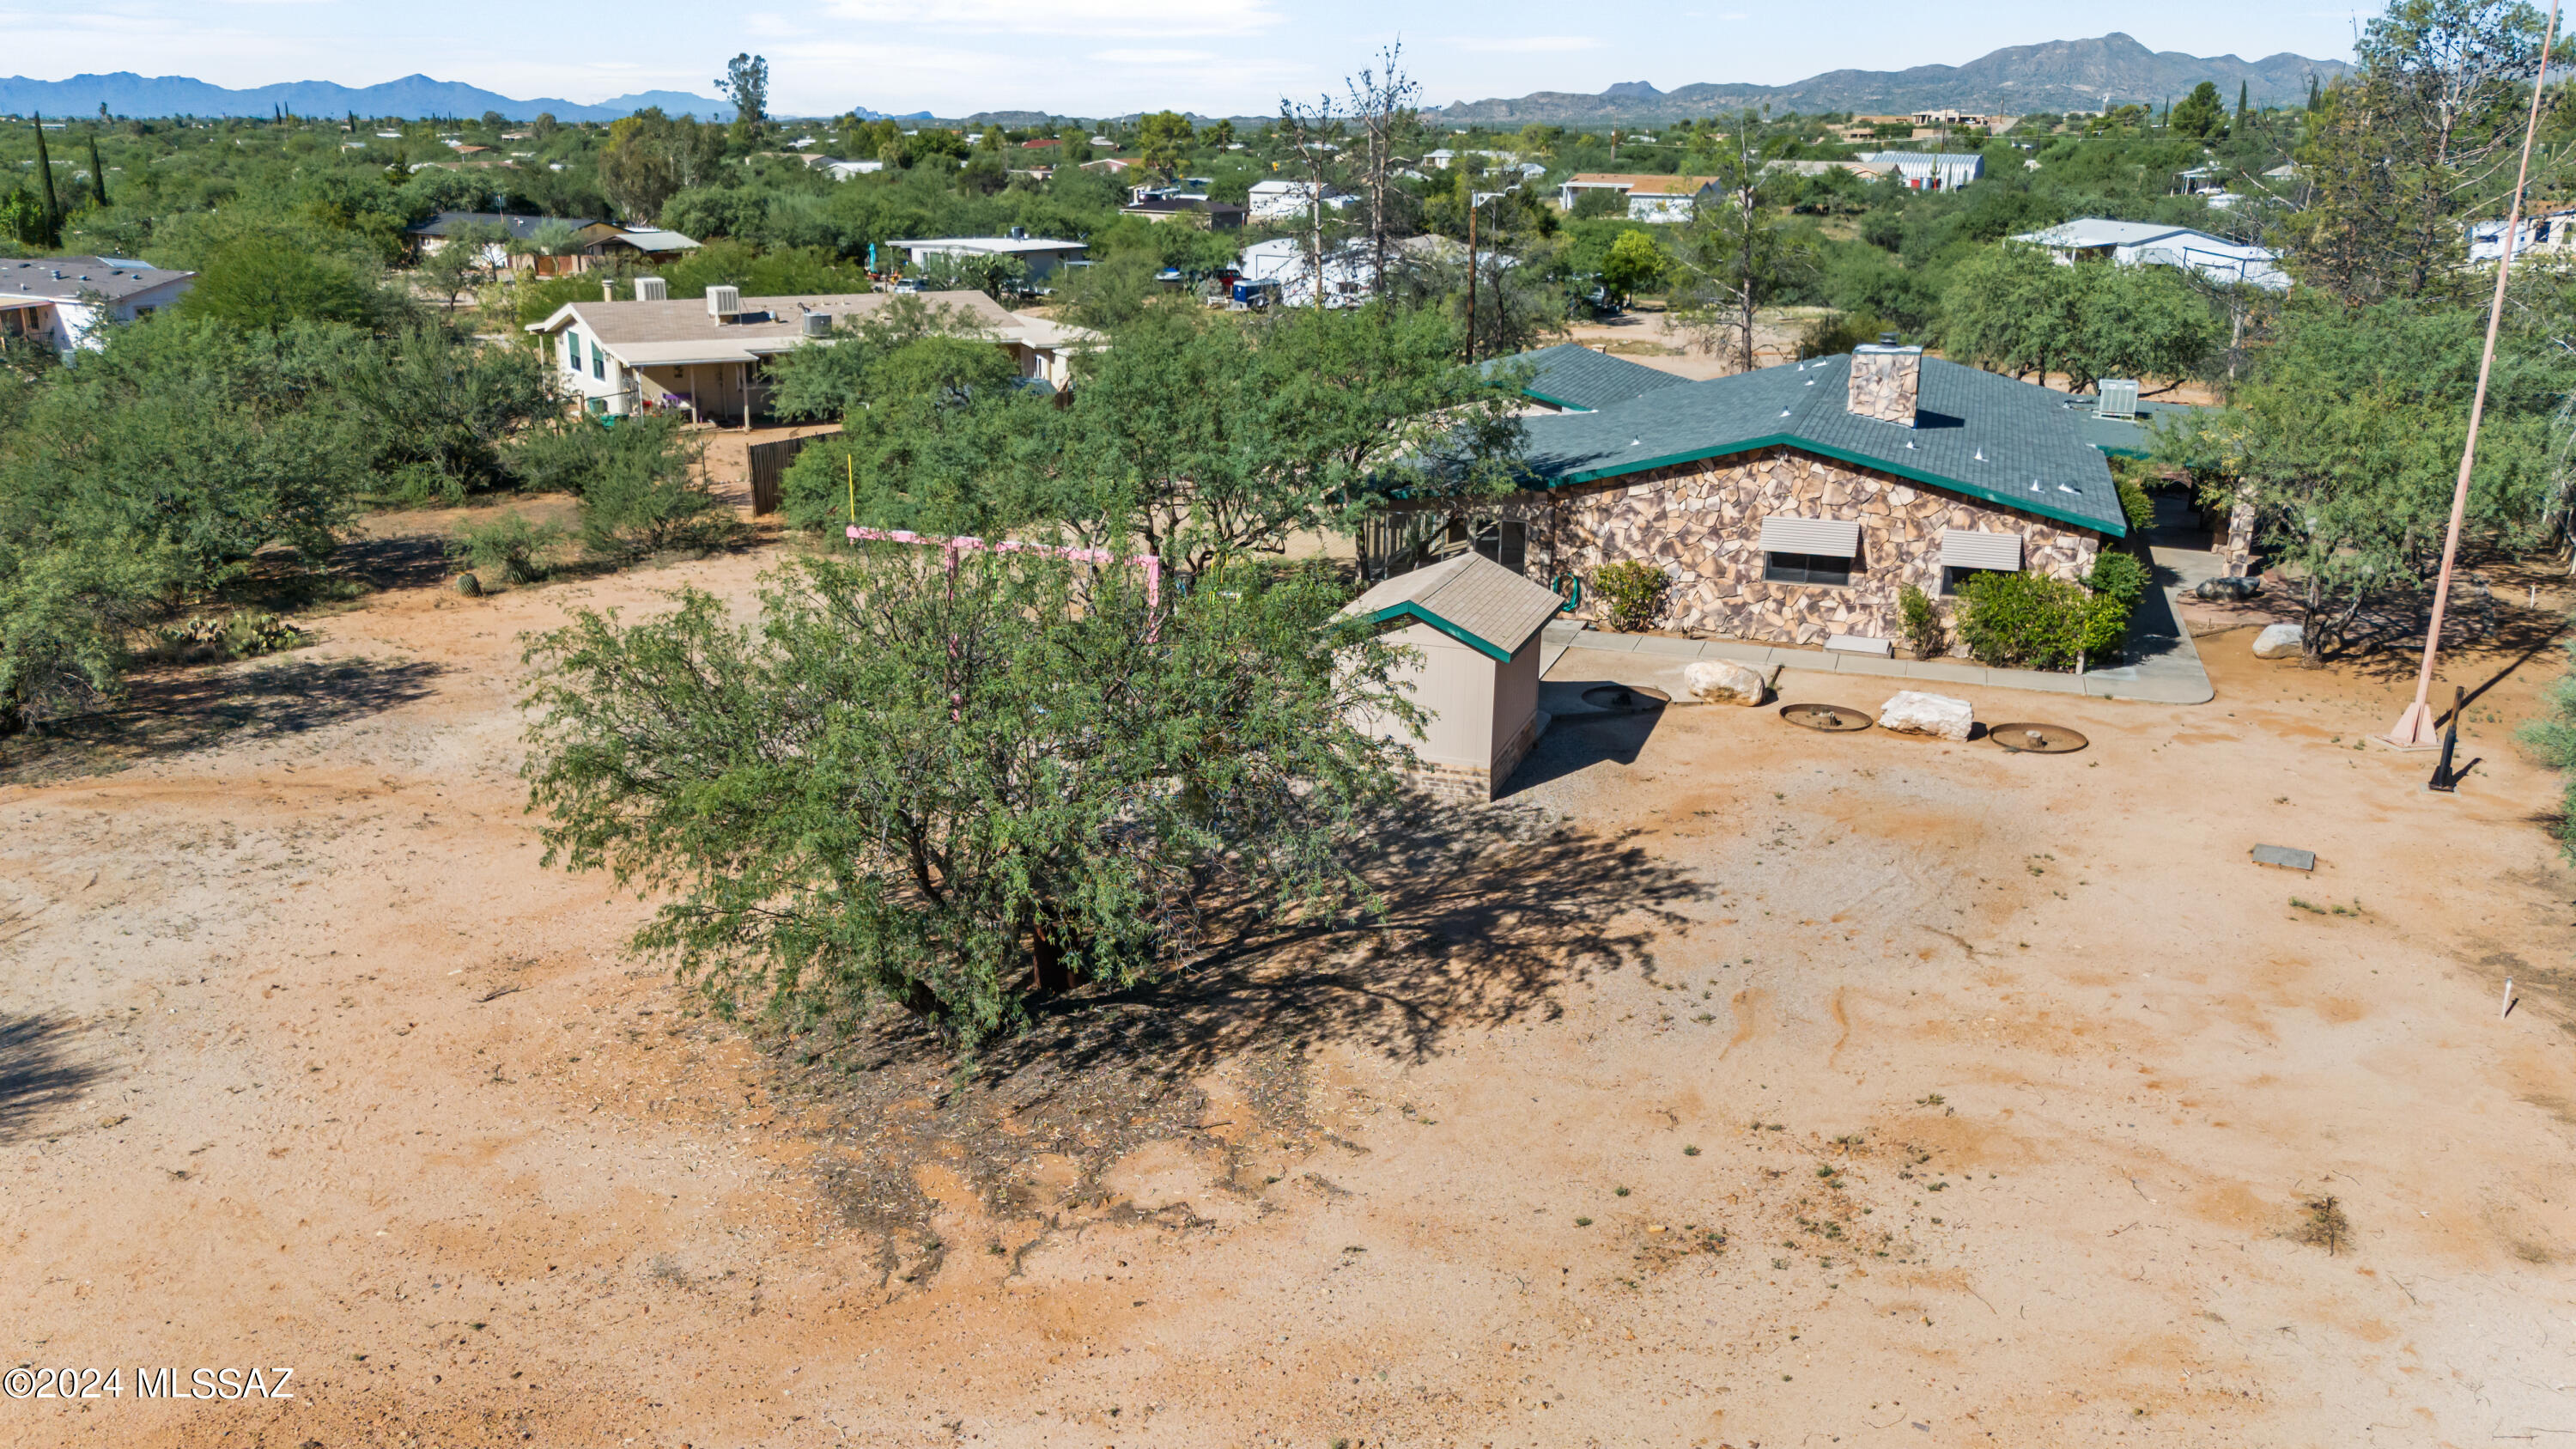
652 289
2119 398
724 303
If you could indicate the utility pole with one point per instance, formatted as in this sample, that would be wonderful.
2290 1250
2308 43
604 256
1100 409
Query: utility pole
1471 271
2414 728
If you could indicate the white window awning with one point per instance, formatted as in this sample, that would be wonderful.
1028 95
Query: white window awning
1829 537
1965 548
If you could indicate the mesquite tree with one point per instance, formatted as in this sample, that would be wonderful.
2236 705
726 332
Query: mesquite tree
954 781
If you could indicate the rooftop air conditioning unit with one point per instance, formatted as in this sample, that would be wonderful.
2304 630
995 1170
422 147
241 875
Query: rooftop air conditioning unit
1019 233
818 324
2119 398
652 289
724 303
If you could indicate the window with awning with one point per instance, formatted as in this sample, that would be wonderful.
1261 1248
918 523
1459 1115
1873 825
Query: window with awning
1967 552
1810 550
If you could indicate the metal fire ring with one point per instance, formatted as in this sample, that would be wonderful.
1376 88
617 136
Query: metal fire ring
1832 718
2036 739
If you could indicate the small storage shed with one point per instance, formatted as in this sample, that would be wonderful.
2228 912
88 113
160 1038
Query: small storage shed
1476 625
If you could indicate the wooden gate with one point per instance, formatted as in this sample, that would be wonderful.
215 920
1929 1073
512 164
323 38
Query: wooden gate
768 464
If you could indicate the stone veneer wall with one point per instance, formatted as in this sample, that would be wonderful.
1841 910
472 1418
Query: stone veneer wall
1702 522
1886 383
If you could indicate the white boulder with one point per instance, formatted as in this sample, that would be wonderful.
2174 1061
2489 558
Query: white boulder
1723 681
2280 641
1913 713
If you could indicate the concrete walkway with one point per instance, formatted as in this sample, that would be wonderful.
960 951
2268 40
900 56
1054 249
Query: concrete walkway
2164 668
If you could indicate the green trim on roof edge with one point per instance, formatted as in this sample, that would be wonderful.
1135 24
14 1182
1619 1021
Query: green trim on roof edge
1809 445
1556 401
1416 611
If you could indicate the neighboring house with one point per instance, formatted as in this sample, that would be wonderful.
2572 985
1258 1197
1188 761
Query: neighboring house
1474 628
64 301
1865 170
593 242
1957 120
707 356
1195 211
1349 273
1932 170
1794 504
1111 165
2209 183
1276 200
1041 255
2140 243
840 170
1650 198
2552 233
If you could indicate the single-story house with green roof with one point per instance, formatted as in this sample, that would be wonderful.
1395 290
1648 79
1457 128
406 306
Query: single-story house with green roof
1794 504
1573 378
1474 626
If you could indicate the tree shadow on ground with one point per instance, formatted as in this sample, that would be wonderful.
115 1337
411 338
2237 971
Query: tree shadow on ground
395 561
174 711
38 1072
1490 915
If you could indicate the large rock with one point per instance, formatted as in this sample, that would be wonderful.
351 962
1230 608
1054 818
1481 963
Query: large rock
2232 589
1723 681
1938 715
2280 641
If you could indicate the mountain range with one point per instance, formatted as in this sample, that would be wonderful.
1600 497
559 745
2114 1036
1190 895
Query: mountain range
2061 75
126 94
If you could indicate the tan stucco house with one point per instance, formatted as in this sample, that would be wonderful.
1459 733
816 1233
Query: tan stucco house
708 356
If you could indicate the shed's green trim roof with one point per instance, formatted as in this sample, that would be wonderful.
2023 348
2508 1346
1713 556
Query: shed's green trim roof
1413 610
1977 434
1472 599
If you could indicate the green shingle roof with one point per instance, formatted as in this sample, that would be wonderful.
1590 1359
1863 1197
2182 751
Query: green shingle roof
1470 598
1977 434
1574 376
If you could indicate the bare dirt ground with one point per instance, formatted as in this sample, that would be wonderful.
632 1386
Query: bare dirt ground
1729 1085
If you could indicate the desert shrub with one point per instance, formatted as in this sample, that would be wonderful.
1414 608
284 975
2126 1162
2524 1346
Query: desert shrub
2023 619
1632 593
2117 582
1839 332
637 479
2135 505
513 546
1920 620
957 791
2036 622
2119 575
2551 739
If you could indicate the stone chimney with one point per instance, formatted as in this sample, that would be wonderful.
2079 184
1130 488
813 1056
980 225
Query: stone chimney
1886 381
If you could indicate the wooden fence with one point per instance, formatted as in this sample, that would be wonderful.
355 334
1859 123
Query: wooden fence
768 464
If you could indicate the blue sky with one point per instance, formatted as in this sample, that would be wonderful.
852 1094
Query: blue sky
1099 57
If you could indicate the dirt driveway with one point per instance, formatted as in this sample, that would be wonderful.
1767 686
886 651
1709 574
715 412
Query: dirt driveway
1730 1085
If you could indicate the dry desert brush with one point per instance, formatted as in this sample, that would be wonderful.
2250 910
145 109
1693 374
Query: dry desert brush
954 785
